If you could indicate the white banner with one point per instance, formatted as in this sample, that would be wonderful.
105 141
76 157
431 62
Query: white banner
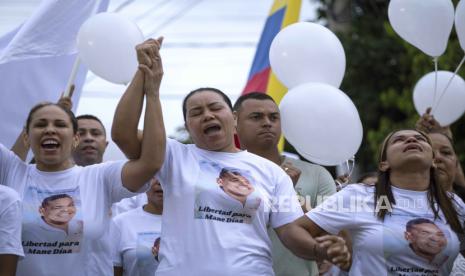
36 60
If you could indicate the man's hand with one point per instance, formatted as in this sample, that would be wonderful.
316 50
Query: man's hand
427 123
342 181
66 102
292 171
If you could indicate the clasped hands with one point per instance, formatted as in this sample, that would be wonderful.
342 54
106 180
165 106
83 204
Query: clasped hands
334 249
148 56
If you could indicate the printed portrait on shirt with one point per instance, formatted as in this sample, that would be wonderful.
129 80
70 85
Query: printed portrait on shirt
425 238
148 247
425 242
226 194
52 221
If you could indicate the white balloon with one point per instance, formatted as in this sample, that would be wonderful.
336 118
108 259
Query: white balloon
452 103
314 159
321 122
307 52
426 24
106 44
460 23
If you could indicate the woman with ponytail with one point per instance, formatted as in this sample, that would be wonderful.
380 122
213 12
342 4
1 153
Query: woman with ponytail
406 224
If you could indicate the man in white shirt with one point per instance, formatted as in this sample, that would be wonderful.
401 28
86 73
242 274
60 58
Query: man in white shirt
10 227
90 150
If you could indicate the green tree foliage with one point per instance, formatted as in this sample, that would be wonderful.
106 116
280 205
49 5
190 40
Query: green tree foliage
382 70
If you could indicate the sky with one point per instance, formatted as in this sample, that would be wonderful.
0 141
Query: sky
207 43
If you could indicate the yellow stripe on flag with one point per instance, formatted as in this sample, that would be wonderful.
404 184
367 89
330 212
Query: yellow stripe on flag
279 4
275 88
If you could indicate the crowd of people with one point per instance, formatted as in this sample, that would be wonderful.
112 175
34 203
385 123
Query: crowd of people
214 207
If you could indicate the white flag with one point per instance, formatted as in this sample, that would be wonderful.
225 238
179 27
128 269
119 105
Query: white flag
36 60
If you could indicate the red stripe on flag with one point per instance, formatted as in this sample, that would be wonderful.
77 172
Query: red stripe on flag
258 83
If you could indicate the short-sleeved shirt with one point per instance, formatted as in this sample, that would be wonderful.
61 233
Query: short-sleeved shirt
135 233
212 228
128 204
10 222
65 214
410 241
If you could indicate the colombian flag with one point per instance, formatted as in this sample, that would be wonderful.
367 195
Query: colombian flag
261 78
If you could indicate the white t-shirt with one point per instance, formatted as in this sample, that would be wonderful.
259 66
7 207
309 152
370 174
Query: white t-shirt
65 214
459 266
10 222
134 234
205 236
408 242
128 204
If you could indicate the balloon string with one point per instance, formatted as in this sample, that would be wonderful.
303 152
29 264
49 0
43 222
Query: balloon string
448 84
350 164
435 60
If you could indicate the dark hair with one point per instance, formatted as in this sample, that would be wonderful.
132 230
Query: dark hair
457 188
436 193
91 117
157 242
365 176
417 221
225 171
217 91
252 95
70 114
54 197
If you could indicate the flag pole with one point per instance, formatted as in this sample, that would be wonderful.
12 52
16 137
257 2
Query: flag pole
72 76
77 62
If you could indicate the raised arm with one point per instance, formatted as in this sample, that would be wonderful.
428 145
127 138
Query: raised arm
124 130
427 123
20 148
139 170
